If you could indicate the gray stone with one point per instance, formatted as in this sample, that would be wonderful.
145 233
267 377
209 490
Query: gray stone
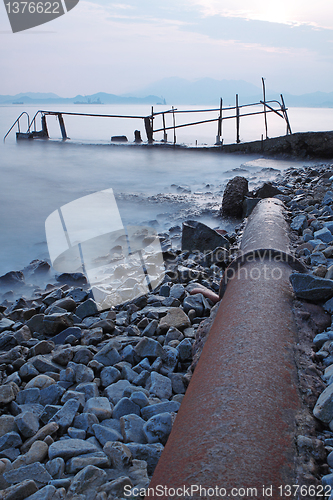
175 318
166 407
105 434
51 395
62 336
185 349
41 381
83 356
141 378
89 389
98 459
53 297
77 294
140 399
36 323
310 287
327 480
85 422
87 308
27 424
318 259
173 334
108 355
56 323
28 396
10 440
8 393
323 409
28 371
178 291
170 361
115 391
178 383
109 375
6 324
43 364
124 407
66 303
100 407
150 453
78 396
158 428
68 448
20 491
82 373
76 433
328 306
49 412
56 467
88 478
119 454
324 235
65 416
7 424
36 472
150 329
118 488
149 348
196 302
132 428
47 493
198 237
160 386
299 223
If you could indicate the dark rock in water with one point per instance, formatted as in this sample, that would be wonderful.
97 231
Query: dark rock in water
233 197
137 136
119 138
37 267
199 237
267 191
72 278
13 278
311 287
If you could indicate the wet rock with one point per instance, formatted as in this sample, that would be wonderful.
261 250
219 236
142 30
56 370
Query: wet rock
200 238
72 278
268 191
56 323
158 428
233 197
61 337
12 279
311 288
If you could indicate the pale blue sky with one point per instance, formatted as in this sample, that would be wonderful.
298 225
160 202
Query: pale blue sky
118 47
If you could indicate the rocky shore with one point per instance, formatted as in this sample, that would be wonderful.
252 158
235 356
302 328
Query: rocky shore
88 398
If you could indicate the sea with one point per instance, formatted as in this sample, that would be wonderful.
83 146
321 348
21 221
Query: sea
156 187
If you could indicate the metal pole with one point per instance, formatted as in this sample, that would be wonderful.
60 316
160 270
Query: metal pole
284 110
174 126
264 95
165 137
219 125
237 121
62 127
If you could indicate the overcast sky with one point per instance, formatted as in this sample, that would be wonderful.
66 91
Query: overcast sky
123 46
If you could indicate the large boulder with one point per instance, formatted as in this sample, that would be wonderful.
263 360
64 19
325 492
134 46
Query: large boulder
197 237
233 196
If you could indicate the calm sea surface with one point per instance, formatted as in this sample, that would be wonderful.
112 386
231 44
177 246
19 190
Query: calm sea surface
152 186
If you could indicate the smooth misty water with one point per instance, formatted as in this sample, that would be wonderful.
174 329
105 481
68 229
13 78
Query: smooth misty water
152 186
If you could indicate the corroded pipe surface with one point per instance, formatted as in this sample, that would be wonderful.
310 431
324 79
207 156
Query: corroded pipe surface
234 434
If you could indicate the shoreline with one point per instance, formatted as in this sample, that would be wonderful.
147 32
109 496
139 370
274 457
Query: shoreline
62 360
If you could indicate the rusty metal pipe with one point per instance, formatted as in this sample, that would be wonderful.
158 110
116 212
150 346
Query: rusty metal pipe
236 426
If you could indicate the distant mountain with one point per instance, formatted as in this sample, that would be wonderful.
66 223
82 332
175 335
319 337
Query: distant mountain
204 91
99 98
179 91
